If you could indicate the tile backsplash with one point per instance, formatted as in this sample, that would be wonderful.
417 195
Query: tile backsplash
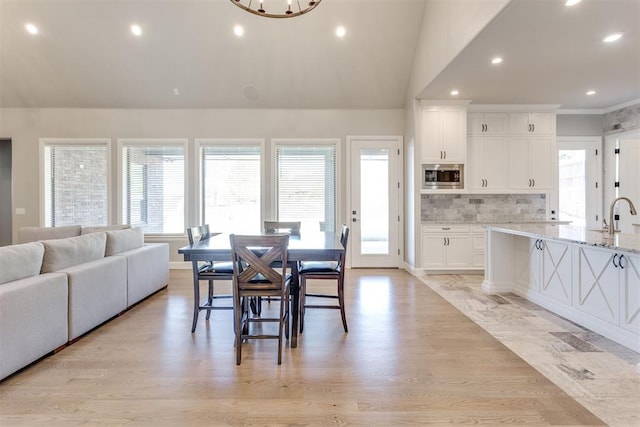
486 208
622 120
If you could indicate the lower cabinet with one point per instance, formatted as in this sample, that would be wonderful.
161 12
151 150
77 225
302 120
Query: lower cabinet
608 286
545 268
446 247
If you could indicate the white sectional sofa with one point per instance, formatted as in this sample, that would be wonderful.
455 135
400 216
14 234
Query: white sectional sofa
53 291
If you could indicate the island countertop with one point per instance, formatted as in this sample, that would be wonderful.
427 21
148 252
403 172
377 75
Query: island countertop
573 234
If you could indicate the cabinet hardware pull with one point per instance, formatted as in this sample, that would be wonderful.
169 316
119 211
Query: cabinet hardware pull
620 261
445 154
446 228
614 260
447 241
533 127
537 244
534 182
444 241
541 244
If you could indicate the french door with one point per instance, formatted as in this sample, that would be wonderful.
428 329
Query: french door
374 201
579 197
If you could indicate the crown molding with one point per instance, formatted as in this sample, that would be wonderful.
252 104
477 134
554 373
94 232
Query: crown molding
528 108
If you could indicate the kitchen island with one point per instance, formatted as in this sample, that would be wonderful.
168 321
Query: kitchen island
587 276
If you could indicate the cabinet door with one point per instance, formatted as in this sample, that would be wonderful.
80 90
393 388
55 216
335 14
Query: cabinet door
630 278
597 287
475 123
488 162
531 164
458 251
454 136
519 124
433 251
488 123
430 133
496 123
543 123
541 162
556 271
519 164
495 162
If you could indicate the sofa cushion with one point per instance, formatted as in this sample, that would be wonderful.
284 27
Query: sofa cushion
124 240
87 230
62 253
20 261
31 234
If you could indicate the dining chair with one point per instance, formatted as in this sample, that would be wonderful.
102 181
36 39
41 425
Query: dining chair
207 271
288 227
254 277
333 270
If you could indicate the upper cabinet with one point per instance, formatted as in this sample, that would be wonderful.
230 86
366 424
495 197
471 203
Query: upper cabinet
443 134
531 164
532 124
488 123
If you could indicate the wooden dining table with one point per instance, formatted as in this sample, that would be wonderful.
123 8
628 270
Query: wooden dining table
306 246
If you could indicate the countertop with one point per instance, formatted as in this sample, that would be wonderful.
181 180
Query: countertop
494 222
573 234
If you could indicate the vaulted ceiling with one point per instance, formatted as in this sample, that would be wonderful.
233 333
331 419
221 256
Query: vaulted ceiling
189 57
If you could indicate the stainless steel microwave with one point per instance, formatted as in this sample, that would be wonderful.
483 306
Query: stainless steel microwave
441 177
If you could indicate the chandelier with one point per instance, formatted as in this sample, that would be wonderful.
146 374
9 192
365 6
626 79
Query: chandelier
276 8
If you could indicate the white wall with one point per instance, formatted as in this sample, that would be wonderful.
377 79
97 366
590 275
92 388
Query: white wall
26 126
447 27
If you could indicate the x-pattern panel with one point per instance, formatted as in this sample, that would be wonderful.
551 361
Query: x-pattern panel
595 281
632 291
556 264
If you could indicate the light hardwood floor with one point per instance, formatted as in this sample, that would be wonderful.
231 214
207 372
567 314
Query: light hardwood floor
410 358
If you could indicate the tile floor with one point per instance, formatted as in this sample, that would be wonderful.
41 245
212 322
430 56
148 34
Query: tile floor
597 372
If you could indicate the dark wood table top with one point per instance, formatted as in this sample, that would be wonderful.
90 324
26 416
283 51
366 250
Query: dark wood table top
307 246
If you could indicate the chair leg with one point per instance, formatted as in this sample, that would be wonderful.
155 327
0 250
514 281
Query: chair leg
196 304
238 305
280 329
341 302
210 299
303 291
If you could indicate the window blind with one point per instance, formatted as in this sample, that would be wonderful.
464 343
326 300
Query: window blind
153 188
75 185
230 187
306 185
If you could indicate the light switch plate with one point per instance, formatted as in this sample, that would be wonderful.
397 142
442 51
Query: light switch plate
20 211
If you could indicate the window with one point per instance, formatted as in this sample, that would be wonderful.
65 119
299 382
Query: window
76 177
153 185
230 186
306 184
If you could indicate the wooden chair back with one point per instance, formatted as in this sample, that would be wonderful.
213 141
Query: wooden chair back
199 233
253 259
289 227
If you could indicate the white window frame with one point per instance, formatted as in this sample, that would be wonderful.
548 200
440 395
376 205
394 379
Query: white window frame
200 143
43 142
151 142
328 142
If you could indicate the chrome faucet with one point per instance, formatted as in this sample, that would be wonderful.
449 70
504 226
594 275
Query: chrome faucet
632 210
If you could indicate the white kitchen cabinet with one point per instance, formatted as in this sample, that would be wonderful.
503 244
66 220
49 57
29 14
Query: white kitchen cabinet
443 135
609 287
446 247
488 123
532 163
597 290
477 246
488 163
532 124
544 267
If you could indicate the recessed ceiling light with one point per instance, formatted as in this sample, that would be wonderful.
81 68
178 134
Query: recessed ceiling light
341 31
572 2
610 38
591 92
32 29
496 60
176 91
455 92
238 30
136 30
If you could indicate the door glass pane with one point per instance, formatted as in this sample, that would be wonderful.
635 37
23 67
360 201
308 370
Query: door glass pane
374 201
571 186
